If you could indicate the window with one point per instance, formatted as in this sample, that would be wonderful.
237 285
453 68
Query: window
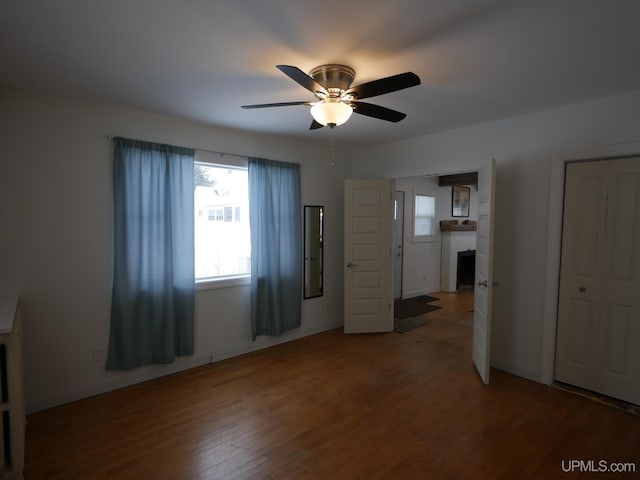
222 241
424 218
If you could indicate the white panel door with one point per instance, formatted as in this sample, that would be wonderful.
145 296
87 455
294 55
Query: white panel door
581 270
598 340
484 271
368 292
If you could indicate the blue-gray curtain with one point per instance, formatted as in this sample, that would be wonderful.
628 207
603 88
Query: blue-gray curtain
153 298
276 246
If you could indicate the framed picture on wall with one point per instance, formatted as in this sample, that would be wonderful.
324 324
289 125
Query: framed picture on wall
460 201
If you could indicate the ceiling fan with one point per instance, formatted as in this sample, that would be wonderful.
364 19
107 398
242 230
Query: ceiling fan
336 99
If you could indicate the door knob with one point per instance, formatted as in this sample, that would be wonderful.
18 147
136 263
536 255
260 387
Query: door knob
351 265
483 283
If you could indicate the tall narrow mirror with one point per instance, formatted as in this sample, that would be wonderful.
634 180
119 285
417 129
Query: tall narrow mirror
313 250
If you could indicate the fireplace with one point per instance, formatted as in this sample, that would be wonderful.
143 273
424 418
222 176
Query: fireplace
453 244
466 271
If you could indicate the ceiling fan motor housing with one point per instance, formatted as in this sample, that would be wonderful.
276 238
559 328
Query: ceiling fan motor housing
333 76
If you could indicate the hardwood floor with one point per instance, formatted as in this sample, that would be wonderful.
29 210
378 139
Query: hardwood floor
335 406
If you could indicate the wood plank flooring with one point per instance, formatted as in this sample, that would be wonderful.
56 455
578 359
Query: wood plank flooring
335 406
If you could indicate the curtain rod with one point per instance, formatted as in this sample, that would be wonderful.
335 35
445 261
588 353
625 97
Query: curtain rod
222 154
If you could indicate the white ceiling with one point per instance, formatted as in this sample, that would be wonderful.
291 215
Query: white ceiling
479 60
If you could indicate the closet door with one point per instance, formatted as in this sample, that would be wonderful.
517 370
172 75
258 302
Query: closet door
620 334
598 341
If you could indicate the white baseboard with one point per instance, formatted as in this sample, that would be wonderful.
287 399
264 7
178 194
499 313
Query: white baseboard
516 370
266 342
143 374
152 372
417 293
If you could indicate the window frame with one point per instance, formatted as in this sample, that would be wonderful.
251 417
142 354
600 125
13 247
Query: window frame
213 159
420 238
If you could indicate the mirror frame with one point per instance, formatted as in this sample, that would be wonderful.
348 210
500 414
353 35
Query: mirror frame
309 214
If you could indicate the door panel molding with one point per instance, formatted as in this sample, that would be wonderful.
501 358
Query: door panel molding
368 288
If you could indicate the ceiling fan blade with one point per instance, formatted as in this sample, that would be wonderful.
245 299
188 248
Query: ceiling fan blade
385 85
281 104
376 111
298 76
315 125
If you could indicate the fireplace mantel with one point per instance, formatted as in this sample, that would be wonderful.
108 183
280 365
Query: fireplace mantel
455 226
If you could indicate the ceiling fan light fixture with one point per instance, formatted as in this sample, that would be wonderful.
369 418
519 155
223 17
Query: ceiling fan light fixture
331 112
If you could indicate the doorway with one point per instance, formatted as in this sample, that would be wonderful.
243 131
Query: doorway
598 329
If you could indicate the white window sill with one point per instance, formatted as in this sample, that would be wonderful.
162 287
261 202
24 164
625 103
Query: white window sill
423 238
223 282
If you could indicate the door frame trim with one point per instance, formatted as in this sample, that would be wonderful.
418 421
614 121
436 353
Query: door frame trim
394 258
554 242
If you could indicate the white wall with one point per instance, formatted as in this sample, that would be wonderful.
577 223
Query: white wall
55 247
523 147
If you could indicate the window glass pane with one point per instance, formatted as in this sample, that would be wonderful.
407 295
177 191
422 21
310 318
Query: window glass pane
424 215
222 242
228 214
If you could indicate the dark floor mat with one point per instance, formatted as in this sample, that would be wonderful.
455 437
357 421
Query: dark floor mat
412 307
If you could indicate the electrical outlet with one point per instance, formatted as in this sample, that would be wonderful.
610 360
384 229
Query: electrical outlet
98 354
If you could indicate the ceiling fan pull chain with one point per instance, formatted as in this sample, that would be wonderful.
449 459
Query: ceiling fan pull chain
332 146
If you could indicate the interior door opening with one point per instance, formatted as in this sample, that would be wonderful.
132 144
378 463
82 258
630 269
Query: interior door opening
428 264
369 219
